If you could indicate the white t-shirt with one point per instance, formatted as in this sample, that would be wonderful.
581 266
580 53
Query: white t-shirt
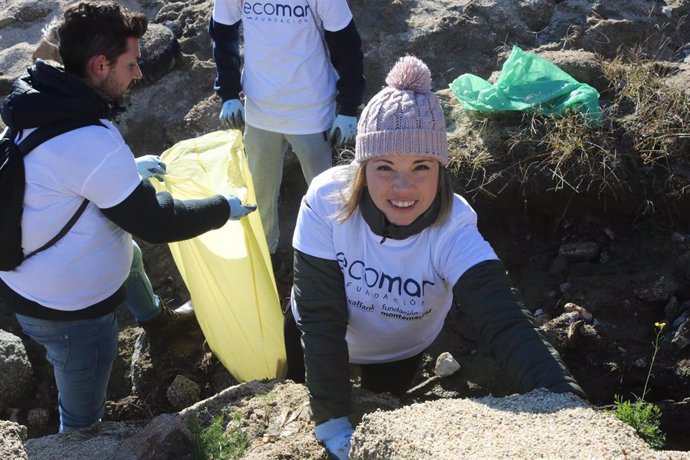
399 291
93 259
287 77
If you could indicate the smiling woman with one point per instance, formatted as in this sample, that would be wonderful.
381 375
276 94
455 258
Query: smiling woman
383 250
402 187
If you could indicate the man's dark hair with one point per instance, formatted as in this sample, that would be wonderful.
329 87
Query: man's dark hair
92 28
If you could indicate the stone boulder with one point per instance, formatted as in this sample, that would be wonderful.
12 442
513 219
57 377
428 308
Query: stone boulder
15 369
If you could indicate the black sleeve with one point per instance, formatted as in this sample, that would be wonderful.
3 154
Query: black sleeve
159 218
345 47
319 291
226 53
484 293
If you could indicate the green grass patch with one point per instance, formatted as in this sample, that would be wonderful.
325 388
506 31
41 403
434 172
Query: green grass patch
645 417
218 441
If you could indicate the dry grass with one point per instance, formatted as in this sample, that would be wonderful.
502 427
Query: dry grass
654 115
645 139
470 160
567 152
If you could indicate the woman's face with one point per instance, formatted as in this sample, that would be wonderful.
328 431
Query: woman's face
403 187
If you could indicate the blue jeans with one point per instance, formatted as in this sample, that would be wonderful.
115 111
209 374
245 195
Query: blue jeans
81 353
141 300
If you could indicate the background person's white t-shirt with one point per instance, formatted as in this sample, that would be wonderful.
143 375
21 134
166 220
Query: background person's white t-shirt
287 77
399 291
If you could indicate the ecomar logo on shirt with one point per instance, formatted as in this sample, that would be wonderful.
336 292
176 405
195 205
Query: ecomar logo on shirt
373 278
276 12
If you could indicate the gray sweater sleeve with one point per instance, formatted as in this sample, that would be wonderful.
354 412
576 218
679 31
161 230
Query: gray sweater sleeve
484 293
319 292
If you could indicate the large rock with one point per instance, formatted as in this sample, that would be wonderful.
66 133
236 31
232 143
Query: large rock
164 437
100 442
15 369
12 438
160 51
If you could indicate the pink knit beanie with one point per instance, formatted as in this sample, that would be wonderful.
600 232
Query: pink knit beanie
404 118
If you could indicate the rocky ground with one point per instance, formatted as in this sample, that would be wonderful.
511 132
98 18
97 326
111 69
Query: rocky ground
620 252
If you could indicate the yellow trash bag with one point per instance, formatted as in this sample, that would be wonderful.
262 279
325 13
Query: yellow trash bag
227 271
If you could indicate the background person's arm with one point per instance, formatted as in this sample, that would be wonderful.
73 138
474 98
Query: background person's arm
345 48
226 54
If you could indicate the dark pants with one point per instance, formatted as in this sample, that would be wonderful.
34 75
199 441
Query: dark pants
394 377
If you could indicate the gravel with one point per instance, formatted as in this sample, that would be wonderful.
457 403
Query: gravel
539 424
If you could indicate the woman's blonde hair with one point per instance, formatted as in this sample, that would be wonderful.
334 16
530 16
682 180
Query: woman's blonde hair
354 181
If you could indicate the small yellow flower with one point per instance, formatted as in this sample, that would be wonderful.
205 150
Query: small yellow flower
660 325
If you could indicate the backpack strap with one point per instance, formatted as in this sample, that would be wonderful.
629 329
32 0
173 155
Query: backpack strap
46 132
36 138
68 226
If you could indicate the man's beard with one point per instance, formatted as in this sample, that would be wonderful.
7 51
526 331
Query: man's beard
121 101
111 89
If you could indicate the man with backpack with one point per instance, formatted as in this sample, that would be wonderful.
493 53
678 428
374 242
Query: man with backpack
64 296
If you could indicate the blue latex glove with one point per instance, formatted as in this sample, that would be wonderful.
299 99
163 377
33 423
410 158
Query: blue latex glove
232 114
239 210
150 166
343 131
335 434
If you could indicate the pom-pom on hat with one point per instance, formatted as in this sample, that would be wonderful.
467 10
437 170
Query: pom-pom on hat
404 118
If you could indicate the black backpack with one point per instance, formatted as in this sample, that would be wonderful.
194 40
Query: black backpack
12 183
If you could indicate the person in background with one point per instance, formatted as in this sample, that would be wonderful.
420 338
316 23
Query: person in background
64 297
302 80
383 250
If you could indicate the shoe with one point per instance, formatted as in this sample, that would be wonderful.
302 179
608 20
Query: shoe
169 321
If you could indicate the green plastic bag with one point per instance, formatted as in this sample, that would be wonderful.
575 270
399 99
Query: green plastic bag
528 83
